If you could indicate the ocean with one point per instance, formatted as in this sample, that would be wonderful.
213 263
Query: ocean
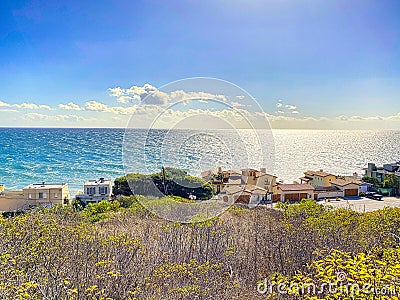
34 155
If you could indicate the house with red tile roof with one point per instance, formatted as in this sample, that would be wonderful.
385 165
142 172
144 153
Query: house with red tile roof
293 192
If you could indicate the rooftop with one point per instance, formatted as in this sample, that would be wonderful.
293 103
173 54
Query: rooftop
320 173
331 188
208 173
46 185
295 187
98 181
249 188
344 182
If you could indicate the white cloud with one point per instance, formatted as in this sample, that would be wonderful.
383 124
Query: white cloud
101 107
150 95
395 117
8 110
58 118
290 107
116 92
286 108
147 92
70 106
3 104
32 106
96 106
237 104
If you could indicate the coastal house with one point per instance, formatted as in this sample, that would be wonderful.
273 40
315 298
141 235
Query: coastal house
221 179
12 201
247 194
317 178
95 191
259 178
2 187
380 172
44 194
365 187
293 192
349 187
324 192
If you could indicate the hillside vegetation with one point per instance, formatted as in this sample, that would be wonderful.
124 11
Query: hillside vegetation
121 251
177 183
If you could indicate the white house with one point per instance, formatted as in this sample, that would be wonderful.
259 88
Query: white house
95 191
365 187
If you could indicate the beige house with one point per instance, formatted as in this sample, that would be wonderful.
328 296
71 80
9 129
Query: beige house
12 201
259 178
317 178
246 194
221 179
35 195
51 194
327 192
349 187
293 192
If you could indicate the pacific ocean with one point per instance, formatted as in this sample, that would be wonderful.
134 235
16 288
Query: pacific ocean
73 155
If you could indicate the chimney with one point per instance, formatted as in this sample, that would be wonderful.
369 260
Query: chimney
321 170
263 170
219 169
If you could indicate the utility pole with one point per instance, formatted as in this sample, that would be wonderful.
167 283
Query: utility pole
164 181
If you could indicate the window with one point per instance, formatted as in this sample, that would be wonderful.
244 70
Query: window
103 190
91 190
30 196
42 195
56 195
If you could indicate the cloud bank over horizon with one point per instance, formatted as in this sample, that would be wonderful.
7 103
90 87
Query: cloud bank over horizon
144 102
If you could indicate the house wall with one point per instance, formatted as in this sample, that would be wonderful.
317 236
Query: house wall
97 190
322 181
53 195
330 194
364 188
296 195
351 186
266 182
11 201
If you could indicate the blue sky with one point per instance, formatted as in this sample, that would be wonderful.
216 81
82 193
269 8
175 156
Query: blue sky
329 59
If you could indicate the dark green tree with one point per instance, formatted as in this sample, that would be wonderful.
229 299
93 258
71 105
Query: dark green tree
391 181
177 183
372 180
